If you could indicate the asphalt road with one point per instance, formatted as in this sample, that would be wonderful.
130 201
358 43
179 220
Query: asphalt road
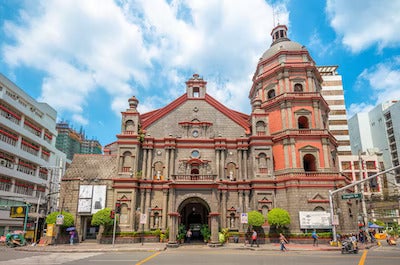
376 256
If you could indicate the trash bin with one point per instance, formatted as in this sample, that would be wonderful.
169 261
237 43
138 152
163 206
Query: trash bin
236 239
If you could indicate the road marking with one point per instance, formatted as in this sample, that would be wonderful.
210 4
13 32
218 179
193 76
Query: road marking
363 257
148 258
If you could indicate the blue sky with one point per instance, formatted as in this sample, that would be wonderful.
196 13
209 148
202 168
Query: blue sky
86 58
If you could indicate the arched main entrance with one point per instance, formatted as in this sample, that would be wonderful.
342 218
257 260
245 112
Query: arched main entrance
194 213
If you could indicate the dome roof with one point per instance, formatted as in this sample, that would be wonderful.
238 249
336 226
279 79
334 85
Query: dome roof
286 45
280 42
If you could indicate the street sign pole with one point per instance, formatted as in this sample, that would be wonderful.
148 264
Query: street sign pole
349 186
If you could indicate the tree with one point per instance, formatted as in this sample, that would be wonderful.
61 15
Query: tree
102 217
255 218
278 217
68 218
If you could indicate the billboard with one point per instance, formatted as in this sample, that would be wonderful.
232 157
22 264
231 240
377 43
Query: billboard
92 198
315 220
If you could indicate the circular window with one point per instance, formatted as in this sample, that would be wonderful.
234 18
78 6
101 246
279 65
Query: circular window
195 133
195 153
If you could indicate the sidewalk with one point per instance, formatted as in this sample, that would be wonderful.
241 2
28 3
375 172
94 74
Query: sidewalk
154 247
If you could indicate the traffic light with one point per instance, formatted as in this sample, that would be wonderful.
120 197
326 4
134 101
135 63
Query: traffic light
117 207
112 214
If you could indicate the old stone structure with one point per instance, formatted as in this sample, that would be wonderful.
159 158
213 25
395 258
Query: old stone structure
195 161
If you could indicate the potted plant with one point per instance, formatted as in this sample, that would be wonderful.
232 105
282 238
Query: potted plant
205 232
181 233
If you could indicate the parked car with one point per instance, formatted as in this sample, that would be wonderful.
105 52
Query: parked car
195 230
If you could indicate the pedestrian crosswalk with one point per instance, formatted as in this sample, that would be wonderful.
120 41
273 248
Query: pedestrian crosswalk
50 259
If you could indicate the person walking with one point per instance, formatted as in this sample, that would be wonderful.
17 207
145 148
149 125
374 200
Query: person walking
282 241
254 238
71 237
188 235
314 235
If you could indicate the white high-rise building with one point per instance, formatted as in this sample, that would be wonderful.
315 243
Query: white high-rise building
332 91
379 128
30 164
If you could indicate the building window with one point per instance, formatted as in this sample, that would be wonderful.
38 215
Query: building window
195 133
303 122
298 87
196 92
260 128
309 163
271 93
195 154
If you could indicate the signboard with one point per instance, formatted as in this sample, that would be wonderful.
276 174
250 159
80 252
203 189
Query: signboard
244 219
98 198
50 230
17 211
92 198
315 220
60 219
143 218
335 220
351 196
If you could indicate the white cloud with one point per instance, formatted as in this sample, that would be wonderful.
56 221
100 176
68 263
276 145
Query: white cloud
143 48
364 23
383 79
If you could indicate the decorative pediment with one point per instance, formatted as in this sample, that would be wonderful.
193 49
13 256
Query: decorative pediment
318 198
302 112
308 148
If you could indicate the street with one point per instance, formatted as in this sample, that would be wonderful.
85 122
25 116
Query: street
193 256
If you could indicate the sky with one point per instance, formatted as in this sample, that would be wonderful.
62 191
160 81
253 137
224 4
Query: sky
87 58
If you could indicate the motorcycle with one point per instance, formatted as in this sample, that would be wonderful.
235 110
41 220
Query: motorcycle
349 246
15 240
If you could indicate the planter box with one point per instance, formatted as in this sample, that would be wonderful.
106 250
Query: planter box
128 239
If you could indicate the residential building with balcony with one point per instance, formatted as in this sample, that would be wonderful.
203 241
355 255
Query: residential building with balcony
30 164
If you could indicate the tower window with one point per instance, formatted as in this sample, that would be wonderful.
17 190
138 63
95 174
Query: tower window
271 93
298 87
303 122
309 163
196 92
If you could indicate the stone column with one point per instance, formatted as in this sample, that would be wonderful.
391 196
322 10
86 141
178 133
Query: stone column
245 164
133 209
218 166
149 164
240 160
223 210
165 209
146 210
167 163
144 168
142 196
214 229
247 201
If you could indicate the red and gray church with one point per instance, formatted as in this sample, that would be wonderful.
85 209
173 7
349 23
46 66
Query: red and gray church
196 161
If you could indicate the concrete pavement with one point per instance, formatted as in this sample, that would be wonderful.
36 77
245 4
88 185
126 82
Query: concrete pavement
154 247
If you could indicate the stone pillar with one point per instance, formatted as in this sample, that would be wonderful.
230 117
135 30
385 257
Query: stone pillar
240 158
146 210
286 152
165 209
214 229
289 114
142 207
133 209
294 153
218 165
240 193
247 201
167 163
223 159
144 168
223 209
149 164
245 164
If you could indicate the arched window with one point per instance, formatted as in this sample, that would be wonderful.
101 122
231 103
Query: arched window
302 122
271 93
298 87
127 159
129 125
231 171
260 128
309 163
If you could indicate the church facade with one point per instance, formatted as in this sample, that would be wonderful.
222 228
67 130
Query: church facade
195 161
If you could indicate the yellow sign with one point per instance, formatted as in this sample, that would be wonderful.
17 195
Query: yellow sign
50 230
17 211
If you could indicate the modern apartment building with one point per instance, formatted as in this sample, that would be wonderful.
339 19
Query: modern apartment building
30 164
72 142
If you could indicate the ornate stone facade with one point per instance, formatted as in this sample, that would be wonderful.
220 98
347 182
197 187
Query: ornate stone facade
195 161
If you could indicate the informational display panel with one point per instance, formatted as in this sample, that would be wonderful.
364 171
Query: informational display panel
315 220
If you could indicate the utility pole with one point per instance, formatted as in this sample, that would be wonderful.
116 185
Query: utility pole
331 193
